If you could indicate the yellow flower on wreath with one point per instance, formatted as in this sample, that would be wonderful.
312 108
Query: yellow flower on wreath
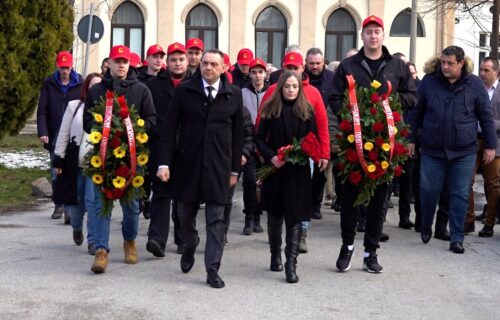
119 152
142 137
350 138
395 130
119 182
371 168
95 137
95 161
140 123
97 178
142 159
98 117
386 147
375 84
384 165
368 146
137 181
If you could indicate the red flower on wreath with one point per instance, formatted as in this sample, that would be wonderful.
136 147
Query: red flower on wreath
399 149
398 171
118 133
379 141
115 142
355 177
310 145
404 132
351 155
373 155
340 166
396 116
114 194
378 127
122 171
345 125
374 98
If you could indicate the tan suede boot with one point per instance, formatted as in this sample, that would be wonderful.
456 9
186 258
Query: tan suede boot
130 252
100 261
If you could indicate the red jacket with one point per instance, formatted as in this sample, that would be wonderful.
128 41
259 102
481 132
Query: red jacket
314 98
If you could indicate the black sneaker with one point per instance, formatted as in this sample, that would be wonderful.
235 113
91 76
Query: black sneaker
371 265
58 212
344 259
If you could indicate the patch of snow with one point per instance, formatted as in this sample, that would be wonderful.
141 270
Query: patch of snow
26 159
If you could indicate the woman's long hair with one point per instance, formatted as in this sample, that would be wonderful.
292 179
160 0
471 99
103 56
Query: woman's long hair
86 84
272 107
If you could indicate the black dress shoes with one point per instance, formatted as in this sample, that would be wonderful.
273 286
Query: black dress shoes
187 258
443 235
486 232
383 237
425 235
405 223
336 206
316 214
215 281
469 227
155 248
457 247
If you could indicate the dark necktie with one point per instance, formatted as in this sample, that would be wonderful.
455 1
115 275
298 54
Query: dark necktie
210 96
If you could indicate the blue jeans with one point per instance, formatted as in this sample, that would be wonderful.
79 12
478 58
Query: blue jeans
85 189
130 222
457 174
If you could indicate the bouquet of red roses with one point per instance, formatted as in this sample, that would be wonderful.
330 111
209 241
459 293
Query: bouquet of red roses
372 139
117 162
298 152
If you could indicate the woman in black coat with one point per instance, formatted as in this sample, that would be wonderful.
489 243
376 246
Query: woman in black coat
286 193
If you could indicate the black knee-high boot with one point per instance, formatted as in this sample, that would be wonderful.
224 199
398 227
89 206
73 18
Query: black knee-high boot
274 227
292 251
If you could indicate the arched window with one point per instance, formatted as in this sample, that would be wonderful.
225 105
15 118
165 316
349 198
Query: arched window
271 35
340 35
202 23
127 27
401 25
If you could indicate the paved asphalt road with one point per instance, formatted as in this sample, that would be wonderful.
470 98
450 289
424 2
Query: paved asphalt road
43 275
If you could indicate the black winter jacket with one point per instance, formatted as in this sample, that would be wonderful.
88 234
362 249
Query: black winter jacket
391 69
248 134
135 93
323 82
239 79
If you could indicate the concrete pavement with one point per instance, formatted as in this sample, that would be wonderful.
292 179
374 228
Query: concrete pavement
43 275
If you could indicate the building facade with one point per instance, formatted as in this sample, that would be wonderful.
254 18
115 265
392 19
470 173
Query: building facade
264 26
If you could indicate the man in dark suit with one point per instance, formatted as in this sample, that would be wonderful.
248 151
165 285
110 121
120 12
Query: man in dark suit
488 71
208 112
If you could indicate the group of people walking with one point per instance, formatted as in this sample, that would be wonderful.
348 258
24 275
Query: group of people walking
210 122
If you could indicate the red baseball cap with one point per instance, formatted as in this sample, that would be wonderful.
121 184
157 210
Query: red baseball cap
120 51
194 43
373 19
227 60
145 63
135 60
154 49
176 47
258 62
245 56
293 59
64 59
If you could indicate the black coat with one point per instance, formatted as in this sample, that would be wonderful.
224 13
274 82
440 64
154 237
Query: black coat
392 69
239 79
288 191
248 134
323 82
209 141
51 106
135 93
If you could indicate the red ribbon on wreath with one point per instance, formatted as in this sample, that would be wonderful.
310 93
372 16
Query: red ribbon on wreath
390 119
124 115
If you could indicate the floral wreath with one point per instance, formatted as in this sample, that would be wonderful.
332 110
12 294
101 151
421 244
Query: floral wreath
372 138
117 161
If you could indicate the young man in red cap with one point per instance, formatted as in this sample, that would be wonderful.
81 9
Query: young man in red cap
155 57
122 80
162 89
241 68
194 47
252 97
294 62
58 89
372 62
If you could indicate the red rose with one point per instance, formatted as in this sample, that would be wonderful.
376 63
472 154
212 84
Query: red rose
310 145
374 98
123 113
379 141
351 155
114 193
399 149
373 155
122 171
345 125
115 142
355 177
338 136
378 127
398 171
396 116
340 166
404 132
118 133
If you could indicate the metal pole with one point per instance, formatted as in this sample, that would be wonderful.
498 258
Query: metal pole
494 29
413 31
89 33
